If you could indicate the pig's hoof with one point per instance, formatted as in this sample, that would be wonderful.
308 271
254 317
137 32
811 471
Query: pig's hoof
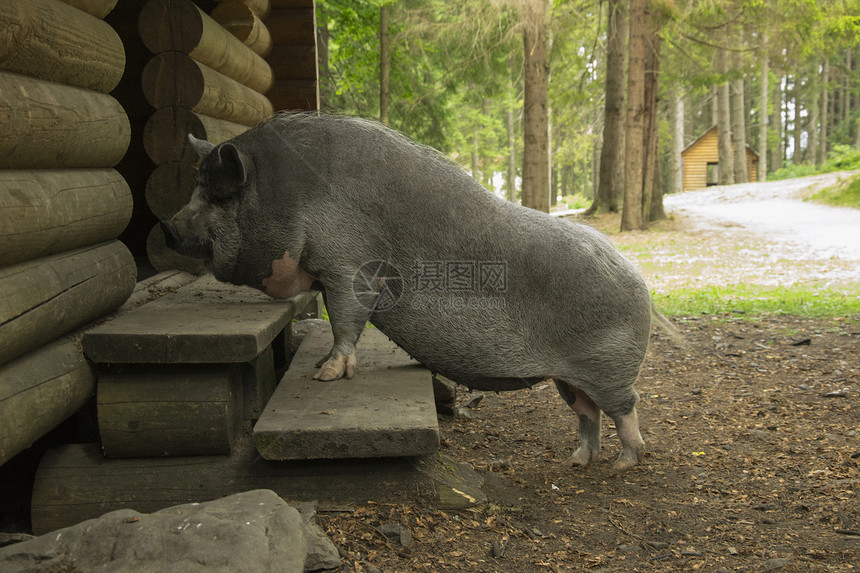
338 366
625 461
581 457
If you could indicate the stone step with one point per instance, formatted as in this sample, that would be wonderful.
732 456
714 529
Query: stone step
385 409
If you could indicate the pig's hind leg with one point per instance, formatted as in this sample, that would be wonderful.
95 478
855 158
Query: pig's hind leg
589 423
622 410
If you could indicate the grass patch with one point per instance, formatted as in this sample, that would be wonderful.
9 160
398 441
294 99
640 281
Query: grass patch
846 193
841 158
753 300
577 201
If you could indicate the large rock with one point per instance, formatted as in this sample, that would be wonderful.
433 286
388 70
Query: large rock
255 531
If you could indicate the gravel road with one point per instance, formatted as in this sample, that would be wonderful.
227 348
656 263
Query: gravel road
777 210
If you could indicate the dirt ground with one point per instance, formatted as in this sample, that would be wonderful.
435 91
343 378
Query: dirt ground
752 463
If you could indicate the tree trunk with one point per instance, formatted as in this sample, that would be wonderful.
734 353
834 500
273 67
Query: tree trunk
798 128
512 157
676 171
825 78
762 130
652 196
612 150
724 129
846 87
535 120
486 162
777 124
474 161
384 64
738 121
811 155
631 215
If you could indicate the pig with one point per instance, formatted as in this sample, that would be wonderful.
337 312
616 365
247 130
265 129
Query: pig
485 292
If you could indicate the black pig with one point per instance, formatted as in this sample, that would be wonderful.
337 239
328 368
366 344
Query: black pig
490 294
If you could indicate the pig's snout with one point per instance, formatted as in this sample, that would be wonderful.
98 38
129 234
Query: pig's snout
179 236
169 235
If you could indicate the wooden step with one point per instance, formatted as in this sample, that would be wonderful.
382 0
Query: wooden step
386 409
188 373
205 322
75 482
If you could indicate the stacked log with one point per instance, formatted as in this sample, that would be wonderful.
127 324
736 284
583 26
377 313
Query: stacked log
62 205
203 79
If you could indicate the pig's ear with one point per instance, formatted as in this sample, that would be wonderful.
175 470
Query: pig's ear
201 146
233 163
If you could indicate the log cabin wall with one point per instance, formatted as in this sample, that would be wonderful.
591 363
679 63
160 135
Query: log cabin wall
98 97
62 206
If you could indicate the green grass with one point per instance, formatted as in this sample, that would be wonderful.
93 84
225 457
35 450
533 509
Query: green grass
578 201
841 158
752 301
843 194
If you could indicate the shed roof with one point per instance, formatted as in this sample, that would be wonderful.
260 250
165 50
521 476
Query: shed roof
713 127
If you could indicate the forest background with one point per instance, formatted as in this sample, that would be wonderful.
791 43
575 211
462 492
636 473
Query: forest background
592 101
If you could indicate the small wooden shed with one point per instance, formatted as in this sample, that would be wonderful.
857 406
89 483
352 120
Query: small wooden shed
701 161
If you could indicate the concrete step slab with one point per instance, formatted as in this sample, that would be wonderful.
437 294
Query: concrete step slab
386 409
203 322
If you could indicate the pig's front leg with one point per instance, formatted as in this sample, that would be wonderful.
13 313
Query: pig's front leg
348 318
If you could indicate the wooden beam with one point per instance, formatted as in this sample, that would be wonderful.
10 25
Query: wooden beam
295 95
260 8
293 62
179 25
47 125
240 20
292 26
53 41
48 297
39 390
97 8
76 482
169 188
180 410
165 136
175 79
47 211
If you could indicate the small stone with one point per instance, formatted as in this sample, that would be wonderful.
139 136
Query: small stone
396 531
629 548
474 401
733 550
497 551
658 544
500 464
776 563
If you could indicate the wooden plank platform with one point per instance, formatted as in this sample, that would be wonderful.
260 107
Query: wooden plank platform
205 322
75 482
386 409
